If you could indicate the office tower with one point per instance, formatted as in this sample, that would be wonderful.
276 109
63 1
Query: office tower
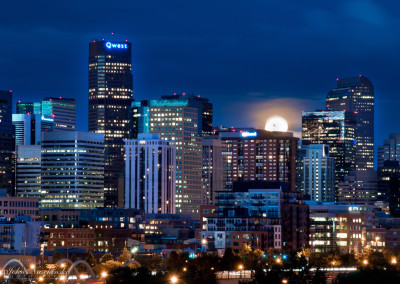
110 97
205 114
358 187
316 172
150 170
390 150
259 155
6 142
336 129
176 121
28 171
72 170
389 185
356 95
213 168
24 108
28 128
62 110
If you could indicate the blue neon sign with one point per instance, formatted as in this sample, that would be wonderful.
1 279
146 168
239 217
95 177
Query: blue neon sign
249 134
116 45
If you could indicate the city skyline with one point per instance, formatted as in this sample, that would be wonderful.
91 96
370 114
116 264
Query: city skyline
223 63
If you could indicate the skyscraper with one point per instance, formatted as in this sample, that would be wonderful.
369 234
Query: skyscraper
110 97
390 150
316 172
24 108
356 94
28 128
63 112
336 129
6 142
72 170
178 121
150 171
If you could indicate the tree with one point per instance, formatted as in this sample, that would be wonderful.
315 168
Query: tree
91 260
174 262
125 256
106 257
251 258
111 265
229 260
155 262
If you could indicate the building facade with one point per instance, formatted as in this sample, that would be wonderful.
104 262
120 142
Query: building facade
150 171
28 171
12 206
110 97
356 95
316 172
72 170
337 130
6 142
177 120
63 112
213 178
359 187
29 128
259 155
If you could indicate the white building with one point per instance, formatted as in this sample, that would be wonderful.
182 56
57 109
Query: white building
72 170
150 172
28 128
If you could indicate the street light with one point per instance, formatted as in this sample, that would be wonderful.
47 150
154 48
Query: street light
393 261
365 262
240 269
284 281
204 241
278 260
184 269
174 279
63 277
62 265
41 279
32 266
1 273
104 275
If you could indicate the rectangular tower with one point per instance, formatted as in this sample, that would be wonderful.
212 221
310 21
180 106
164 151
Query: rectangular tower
356 95
72 170
178 121
63 112
110 97
150 174
6 142
28 171
336 129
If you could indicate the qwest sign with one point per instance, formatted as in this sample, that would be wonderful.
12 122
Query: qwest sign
116 45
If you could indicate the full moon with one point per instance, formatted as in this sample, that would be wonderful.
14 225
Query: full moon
276 123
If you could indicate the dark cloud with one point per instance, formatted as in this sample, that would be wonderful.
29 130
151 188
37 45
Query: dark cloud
246 53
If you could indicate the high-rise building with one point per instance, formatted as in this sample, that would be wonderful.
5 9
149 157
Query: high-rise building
259 155
28 171
359 187
335 129
390 150
72 170
176 120
62 110
356 94
6 142
24 108
205 114
28 128
316 172
110 97
389 185
150 172
213 178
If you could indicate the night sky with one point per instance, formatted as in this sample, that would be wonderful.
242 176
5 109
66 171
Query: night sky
253 59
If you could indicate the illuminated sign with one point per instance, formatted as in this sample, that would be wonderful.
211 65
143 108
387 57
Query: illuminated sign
47 119
116 45
249 134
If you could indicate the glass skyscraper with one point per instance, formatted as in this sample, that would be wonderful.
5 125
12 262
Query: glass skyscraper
356 95
6 141
336 129
110 98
